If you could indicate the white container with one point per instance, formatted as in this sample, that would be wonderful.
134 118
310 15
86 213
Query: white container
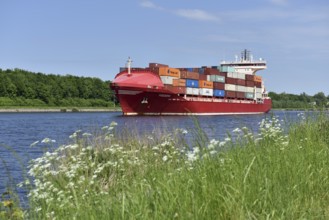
259 90
258 95
241 75
230 87
167 79
250 89
206 92
192 91
240 88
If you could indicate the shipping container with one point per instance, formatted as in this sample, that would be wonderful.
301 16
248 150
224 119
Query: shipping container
230 87
189 69
223 74
210 71
240 95
230 94
176 89
192 91
232 75
250 83
179 82
250 77
250 89
206 84
241 82
240 88
202 77
226 69
257 78
258 90
219 93
249 95
258 95
165 71
258 84
206 92
219 86
201 70
192 83
189 75
229 80
241 75
216 78
152 65
167 79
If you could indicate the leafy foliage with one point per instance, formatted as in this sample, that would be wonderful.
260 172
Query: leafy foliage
302 101
23 88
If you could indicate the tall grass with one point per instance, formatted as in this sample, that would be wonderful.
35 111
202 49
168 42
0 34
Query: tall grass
275 174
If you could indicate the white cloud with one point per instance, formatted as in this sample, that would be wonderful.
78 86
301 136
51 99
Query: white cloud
149 4
196 14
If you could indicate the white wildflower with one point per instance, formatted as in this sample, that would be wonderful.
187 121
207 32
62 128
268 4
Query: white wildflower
165 158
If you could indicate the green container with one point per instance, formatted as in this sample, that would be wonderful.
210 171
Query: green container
216 78
226 69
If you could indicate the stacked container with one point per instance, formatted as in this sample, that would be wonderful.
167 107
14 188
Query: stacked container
214 81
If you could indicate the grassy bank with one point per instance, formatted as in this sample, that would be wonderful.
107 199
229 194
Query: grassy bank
271 175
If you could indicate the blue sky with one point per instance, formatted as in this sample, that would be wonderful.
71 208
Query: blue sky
94 38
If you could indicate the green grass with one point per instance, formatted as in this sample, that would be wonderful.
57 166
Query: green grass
273 175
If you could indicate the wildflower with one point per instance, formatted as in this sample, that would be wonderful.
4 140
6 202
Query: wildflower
34 143
86 134
237 130
165 158
8 203
113 124
47 140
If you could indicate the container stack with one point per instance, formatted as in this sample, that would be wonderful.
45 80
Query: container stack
213 81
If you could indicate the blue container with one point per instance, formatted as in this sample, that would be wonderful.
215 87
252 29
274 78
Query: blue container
192 83
219 93
201 70
189 69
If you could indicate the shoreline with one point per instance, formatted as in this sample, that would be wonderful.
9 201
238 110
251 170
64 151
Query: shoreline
60 110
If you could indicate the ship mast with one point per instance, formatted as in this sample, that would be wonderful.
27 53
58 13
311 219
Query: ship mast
128 65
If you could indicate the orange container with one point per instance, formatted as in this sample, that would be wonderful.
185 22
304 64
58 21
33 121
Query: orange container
257 78
166 71
206 84
179 82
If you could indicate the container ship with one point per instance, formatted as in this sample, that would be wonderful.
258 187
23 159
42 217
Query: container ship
230 88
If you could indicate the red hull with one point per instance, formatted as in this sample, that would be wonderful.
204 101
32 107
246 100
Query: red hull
149 97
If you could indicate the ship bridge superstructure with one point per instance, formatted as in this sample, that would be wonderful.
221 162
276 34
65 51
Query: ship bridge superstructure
246 64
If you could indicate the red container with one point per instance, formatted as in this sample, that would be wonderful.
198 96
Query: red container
241 82
230 80
219 85
202 77
250 83
230 94
223 74
210 71
189 75
240 95
250 77
258 84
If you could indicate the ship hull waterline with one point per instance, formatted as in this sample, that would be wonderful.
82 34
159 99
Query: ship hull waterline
134 101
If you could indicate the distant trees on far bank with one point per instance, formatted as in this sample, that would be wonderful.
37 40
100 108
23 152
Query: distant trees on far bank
285 100
23 88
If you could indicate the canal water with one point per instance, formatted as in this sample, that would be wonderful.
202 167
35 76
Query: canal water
19 130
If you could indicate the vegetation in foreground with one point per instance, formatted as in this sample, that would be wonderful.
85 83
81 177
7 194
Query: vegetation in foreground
272 175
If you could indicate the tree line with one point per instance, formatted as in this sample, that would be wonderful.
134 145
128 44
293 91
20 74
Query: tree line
24 88
301 101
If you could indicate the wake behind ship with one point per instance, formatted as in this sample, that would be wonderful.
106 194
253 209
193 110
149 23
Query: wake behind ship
230 88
